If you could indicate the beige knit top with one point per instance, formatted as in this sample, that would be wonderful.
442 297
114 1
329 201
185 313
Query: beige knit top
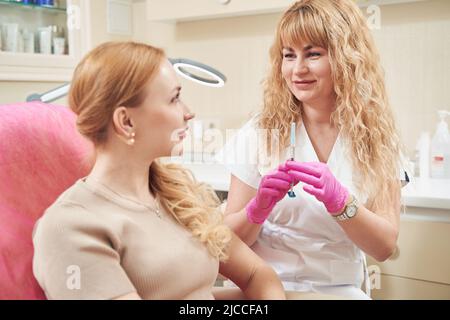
94 244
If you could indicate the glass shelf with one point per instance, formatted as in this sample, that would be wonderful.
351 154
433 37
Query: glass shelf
30 6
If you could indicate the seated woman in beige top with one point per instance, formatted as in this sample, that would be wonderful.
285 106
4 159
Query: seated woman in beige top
136 228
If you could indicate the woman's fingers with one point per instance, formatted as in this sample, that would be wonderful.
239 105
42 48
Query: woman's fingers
269 192
318 193
280 175
306 178
276 183
304 167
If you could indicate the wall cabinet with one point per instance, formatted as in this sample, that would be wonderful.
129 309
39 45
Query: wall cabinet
181 10
399 288
28 49
420 268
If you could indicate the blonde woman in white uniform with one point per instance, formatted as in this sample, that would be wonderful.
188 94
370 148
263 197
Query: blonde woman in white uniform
326 77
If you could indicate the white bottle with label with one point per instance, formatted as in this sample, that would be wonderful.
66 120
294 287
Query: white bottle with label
440 149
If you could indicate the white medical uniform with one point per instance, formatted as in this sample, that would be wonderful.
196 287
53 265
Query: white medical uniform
307 248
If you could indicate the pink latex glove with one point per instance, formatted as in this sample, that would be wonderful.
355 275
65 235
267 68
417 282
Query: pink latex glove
321 183
273 188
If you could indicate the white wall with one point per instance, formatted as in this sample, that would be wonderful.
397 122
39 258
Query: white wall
414 43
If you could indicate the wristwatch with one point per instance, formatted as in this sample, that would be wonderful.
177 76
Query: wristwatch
349 212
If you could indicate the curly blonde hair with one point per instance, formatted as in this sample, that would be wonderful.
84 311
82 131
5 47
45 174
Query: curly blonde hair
115 74
363 113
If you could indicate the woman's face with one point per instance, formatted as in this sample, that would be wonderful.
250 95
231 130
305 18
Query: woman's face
307 72
161 120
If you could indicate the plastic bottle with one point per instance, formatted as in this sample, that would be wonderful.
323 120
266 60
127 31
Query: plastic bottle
423 155
440 149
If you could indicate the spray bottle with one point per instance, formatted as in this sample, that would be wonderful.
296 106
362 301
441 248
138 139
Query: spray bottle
440 149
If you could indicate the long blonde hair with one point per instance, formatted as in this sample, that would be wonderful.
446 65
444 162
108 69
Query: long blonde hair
115 74
363 113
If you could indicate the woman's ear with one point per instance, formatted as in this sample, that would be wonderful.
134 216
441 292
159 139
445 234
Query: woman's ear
122 123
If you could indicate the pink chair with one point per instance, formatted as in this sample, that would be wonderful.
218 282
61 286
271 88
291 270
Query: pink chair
41 155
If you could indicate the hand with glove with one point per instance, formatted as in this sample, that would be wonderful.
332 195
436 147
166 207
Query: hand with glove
321 183
273 188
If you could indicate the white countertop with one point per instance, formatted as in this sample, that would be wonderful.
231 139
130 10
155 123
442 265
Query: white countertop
429 193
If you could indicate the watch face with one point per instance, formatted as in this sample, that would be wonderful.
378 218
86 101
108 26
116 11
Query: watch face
351 211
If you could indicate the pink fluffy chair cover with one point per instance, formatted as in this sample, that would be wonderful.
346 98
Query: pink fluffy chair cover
41 155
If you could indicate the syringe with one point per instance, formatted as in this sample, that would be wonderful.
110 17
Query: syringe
291 192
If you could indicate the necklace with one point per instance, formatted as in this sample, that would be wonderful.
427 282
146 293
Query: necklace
155 209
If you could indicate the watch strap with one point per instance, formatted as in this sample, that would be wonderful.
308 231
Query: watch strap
344 216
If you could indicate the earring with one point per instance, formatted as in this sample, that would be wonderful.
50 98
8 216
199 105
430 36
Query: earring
131 141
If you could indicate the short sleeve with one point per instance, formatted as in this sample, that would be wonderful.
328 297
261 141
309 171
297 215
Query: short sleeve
74 257
240 155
